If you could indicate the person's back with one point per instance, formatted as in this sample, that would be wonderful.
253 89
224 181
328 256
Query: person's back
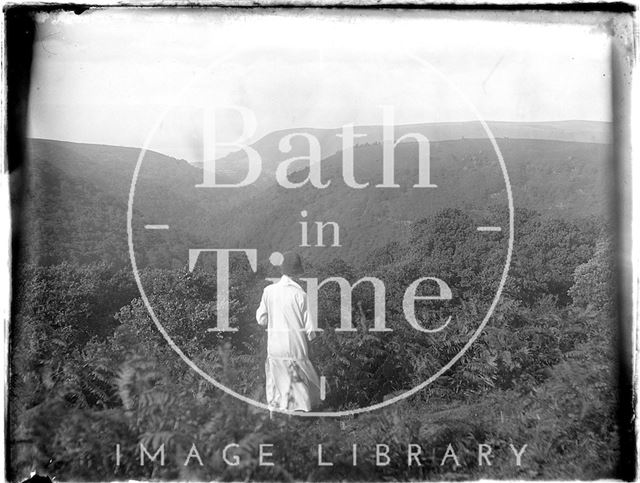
291 380
286 309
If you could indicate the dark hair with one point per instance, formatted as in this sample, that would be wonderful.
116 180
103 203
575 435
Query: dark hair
291 264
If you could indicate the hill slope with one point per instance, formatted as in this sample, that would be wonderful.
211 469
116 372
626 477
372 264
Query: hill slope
76 204
558 178
234 165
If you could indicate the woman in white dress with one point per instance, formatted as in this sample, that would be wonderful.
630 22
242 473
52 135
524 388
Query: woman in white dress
291 380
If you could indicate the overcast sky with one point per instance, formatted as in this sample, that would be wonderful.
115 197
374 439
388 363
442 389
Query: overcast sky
108 76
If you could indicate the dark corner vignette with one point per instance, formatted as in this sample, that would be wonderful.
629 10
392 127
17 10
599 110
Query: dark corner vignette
20 28
19 37
622 65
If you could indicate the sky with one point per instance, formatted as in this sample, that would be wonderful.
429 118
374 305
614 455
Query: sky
143 77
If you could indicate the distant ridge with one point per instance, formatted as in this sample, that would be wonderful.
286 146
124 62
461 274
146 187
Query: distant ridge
578 131
234 165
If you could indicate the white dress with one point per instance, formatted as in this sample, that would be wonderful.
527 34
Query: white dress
291 380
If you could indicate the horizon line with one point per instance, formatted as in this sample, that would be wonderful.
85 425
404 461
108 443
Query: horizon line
257 139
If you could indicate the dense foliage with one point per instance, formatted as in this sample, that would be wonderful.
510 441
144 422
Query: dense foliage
90 370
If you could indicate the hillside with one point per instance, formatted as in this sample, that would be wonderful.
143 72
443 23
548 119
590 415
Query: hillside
75 204
234 165
89 370
77 198
556 178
